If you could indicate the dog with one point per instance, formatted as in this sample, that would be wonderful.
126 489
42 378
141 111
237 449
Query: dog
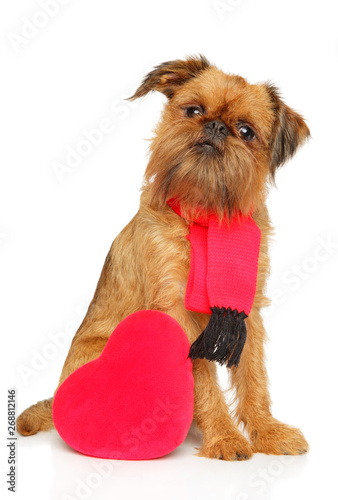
193 160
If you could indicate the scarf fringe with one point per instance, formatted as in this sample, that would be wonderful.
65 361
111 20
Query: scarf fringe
223 339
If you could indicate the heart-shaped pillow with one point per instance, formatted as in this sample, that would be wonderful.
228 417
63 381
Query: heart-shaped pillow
135 401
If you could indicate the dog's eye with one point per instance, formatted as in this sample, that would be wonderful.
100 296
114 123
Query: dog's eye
192 111
246 133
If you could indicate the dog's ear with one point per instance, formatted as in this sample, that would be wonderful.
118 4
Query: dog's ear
168 76
289 132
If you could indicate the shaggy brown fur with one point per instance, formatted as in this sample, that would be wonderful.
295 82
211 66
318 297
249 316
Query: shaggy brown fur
148 263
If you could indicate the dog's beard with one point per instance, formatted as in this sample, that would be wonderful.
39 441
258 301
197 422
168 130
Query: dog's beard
218 179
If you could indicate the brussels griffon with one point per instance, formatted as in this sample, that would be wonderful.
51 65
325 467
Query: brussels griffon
217 146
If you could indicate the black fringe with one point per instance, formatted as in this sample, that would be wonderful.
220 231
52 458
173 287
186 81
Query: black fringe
223 339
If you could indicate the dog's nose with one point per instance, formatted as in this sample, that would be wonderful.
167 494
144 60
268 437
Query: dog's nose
216 130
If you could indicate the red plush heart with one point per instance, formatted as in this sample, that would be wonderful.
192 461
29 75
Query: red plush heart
135 401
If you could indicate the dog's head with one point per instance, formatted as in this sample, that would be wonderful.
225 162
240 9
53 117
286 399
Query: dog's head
219 140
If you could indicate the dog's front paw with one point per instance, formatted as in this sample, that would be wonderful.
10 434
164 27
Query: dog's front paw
275 438
232 447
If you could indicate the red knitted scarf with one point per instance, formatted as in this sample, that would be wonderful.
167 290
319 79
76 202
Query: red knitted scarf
222 281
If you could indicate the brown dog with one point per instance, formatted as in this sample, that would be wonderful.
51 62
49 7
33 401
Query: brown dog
148 264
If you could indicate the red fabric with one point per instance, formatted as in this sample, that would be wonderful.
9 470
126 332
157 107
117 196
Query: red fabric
136 400
223 264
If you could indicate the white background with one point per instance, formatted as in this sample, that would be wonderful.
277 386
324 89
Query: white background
71 74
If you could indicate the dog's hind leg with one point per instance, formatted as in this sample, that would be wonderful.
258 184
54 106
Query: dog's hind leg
38 417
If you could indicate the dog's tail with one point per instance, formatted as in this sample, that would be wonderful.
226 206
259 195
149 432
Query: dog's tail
36 418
